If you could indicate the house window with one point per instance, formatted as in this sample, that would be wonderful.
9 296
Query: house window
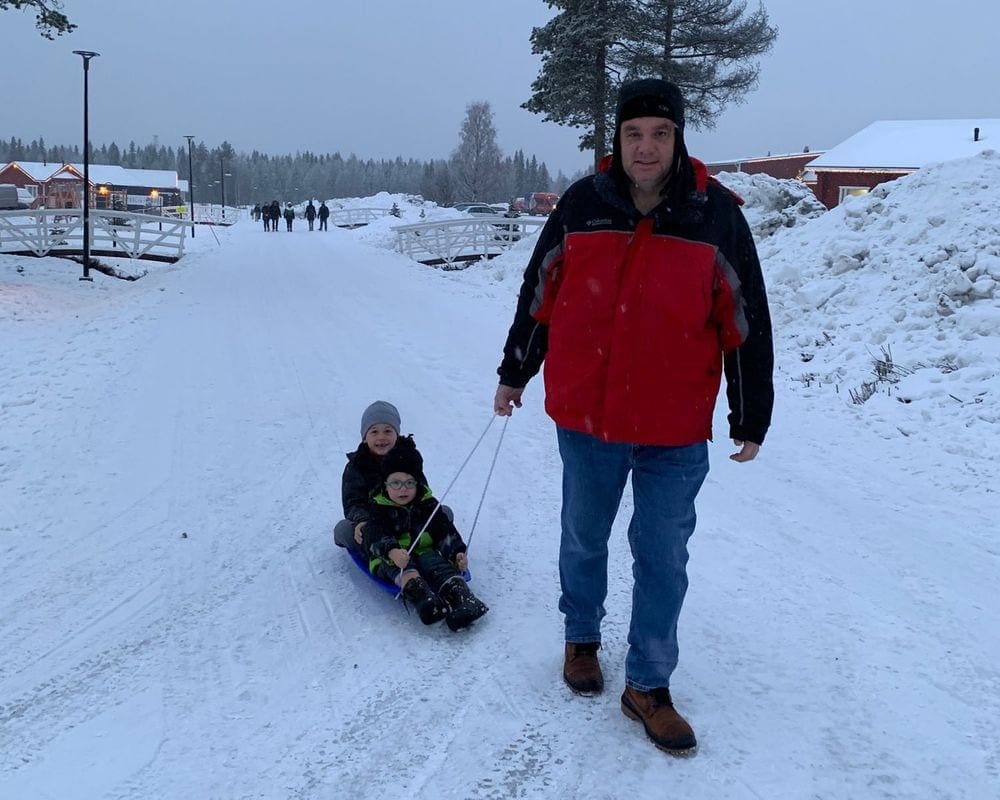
32 189
852 191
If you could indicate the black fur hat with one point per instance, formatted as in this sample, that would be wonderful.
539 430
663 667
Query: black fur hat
403 460
650 97
653 97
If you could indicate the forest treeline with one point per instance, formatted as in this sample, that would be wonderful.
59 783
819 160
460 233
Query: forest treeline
258 177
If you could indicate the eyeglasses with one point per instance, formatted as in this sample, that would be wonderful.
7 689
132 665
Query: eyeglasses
407 484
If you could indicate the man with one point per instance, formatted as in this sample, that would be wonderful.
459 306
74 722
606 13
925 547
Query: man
644 285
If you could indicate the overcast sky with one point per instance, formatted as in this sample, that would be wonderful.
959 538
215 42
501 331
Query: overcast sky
382 78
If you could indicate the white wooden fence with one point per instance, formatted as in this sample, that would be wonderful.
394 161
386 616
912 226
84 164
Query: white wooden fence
450 242
356 217
205 214
116 234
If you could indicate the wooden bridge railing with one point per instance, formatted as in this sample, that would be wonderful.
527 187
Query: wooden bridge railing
116 234
450 242
356 217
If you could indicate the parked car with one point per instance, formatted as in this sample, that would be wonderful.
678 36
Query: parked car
13 197
475 208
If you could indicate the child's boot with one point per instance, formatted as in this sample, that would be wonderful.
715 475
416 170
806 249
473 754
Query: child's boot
465 607
429 606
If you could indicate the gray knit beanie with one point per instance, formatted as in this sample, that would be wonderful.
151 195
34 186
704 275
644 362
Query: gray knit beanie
380 412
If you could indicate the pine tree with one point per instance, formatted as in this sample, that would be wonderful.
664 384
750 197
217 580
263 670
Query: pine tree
707 47
49 20
575 83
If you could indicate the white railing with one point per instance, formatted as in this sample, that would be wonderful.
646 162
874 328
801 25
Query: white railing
204 214
453 241
356 217
117 234
216 215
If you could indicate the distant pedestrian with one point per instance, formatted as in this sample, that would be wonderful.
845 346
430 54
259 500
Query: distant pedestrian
324 215
274 212
289 216
310 214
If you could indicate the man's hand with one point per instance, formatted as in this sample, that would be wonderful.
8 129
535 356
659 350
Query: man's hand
748 451
504 398
357 533
462 562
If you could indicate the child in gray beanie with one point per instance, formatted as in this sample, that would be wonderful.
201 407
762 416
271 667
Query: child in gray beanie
380 411
380 425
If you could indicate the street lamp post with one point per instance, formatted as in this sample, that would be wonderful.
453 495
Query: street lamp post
190 185
222 178
86 55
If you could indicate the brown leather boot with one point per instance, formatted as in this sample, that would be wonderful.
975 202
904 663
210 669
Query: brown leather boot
667 729
582 670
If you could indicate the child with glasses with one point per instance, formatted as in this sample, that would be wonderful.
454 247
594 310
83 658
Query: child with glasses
429 573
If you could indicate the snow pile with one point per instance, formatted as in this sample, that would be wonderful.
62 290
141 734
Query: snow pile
772 203
894 293
413 209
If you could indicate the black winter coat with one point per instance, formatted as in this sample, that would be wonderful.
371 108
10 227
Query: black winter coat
393 526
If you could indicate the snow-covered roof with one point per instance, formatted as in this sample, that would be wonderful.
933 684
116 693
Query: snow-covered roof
102 173
108 173
769 157
157 178
119 176
911 144
37 170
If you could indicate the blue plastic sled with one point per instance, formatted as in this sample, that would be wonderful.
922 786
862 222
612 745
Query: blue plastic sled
391 588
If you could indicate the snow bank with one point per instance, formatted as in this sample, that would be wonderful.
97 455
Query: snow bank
771 203
900 282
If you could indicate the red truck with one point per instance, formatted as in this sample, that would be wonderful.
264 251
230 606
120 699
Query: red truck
540 203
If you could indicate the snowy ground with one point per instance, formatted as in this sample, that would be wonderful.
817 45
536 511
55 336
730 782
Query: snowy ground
176 622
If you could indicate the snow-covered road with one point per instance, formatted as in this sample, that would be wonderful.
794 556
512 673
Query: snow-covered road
175 621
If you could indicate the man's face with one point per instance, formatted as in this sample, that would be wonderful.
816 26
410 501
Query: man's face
647 145
380 438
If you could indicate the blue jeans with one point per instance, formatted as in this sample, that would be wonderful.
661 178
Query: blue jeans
665 482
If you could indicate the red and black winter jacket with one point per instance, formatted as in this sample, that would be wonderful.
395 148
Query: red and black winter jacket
636 316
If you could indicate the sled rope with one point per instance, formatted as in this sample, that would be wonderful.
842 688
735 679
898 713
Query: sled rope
489 475
441 499
445 494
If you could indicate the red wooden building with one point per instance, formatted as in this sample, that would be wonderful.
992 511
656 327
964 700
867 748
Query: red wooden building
112 186
30 175
890 149
785 166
